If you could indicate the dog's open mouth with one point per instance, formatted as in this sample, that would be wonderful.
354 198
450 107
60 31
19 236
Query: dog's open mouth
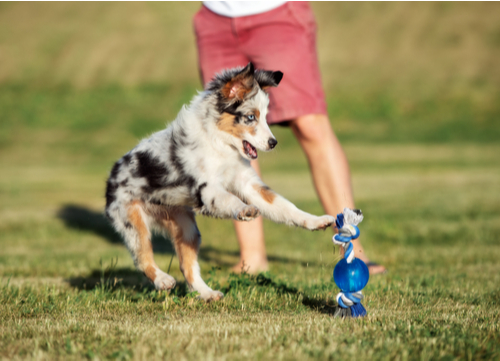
250 150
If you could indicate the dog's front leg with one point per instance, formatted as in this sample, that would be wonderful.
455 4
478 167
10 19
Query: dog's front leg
280 210
220 203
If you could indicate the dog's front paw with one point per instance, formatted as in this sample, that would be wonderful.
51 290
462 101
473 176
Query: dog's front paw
248 213
316 223
164 281
211 295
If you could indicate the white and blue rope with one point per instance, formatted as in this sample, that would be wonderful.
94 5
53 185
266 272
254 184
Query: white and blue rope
348 299
347 223
347 227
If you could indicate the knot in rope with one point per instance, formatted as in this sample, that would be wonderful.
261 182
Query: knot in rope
351 303
346 224
348 299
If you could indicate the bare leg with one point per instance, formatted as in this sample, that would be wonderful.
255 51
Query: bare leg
253 258
329 168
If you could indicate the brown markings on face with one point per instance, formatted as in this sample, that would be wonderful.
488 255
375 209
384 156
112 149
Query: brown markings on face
257 113
266 193
227 124
144 253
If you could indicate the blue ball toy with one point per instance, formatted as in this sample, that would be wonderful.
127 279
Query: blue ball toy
350 274
351 277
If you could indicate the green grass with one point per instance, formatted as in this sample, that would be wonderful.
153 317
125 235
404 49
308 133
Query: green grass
413 94
432 217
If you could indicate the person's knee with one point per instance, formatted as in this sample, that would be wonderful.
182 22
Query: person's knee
312 128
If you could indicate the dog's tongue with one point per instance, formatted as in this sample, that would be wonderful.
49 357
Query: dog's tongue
251 151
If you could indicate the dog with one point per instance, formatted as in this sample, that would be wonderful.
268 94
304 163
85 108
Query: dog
200 164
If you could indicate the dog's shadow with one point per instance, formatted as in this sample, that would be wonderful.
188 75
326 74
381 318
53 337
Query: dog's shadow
84 219
81 218
314 303
113 278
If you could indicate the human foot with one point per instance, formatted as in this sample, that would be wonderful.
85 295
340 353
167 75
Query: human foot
373 268
251 267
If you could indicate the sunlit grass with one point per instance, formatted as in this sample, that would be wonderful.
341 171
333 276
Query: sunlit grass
435 227
413 94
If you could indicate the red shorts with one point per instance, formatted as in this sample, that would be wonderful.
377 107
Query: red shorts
280 39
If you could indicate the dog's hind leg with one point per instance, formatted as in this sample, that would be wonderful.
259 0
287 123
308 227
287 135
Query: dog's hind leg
138 240
185 235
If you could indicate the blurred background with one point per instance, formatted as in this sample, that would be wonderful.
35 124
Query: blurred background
413 92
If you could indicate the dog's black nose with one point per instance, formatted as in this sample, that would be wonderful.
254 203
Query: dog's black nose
272 142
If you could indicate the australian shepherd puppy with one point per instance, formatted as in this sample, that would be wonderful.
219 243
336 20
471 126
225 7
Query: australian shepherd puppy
200 164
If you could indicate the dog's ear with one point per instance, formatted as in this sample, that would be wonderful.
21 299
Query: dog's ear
240 84
267 78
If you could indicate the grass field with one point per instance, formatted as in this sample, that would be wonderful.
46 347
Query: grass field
413 93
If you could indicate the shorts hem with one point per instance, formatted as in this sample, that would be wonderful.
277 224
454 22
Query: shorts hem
288 115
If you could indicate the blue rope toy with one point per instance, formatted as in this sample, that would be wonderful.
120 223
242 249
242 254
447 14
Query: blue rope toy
350 274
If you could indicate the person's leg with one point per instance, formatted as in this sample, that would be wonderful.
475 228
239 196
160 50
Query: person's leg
253 258
329 168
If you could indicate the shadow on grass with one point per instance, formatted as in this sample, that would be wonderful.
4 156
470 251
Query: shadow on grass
81 218
112 279
119 277
265 280
122 278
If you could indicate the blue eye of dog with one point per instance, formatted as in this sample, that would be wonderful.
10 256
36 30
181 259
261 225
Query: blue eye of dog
251 117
